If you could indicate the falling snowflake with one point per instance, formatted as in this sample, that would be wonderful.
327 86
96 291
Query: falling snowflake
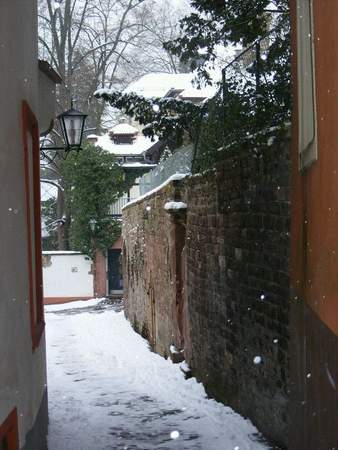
174 434
257 360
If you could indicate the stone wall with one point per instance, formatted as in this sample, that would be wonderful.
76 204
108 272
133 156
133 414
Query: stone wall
150 282
238 285
230 306
99 270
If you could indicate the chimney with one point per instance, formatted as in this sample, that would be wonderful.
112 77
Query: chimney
92 138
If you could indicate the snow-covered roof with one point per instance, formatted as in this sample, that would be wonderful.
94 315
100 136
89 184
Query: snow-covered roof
159 84
205 92
140 145
138 165
124 128
61 252
92 136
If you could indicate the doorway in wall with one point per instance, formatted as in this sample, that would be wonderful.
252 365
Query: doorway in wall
115 275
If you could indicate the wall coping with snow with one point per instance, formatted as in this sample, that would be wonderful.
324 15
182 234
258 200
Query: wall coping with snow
172 179
61 252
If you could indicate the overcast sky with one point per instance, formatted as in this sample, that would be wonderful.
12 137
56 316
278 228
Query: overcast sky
178 3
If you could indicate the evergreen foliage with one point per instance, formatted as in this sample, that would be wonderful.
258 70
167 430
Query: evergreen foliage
48 216
168 118
257 93
93 181
254 102
223 22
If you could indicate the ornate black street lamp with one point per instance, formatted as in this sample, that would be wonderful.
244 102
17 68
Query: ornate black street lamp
72 126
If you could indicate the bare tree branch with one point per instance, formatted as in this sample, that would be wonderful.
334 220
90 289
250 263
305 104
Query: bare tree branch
53 183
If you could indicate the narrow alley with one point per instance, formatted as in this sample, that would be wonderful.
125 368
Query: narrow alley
107 390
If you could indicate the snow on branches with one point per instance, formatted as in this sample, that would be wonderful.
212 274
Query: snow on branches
168 118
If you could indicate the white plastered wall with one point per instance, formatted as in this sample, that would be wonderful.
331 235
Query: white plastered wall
22 372
135 190
67 275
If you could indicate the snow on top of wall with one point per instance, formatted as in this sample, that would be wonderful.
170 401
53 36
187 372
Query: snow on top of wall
61 252
169 206
175 177
124 128
92 136
138 164
138 147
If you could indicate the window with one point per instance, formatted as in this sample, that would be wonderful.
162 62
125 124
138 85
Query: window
306 84
33 221
9 432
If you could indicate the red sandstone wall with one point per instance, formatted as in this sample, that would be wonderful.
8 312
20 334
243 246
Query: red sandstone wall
153 270
314 258
100 274
216 280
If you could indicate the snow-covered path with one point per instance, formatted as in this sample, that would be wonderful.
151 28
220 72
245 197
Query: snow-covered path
107 390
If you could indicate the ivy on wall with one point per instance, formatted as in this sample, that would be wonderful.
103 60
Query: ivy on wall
94 180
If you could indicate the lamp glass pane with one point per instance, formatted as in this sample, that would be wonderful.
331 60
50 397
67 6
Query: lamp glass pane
64 134
73 126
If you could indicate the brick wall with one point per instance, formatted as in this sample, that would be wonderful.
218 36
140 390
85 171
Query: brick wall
230 302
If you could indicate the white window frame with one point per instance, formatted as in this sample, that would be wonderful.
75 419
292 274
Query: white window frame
307 117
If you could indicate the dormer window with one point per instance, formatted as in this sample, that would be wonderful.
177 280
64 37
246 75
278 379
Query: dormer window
174 93
122 139
123 134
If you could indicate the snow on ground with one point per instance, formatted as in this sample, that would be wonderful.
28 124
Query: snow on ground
107 390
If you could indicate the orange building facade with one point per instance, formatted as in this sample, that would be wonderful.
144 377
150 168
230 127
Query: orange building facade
314 226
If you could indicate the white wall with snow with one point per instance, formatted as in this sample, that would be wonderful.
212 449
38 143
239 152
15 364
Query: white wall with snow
67 274
134 191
